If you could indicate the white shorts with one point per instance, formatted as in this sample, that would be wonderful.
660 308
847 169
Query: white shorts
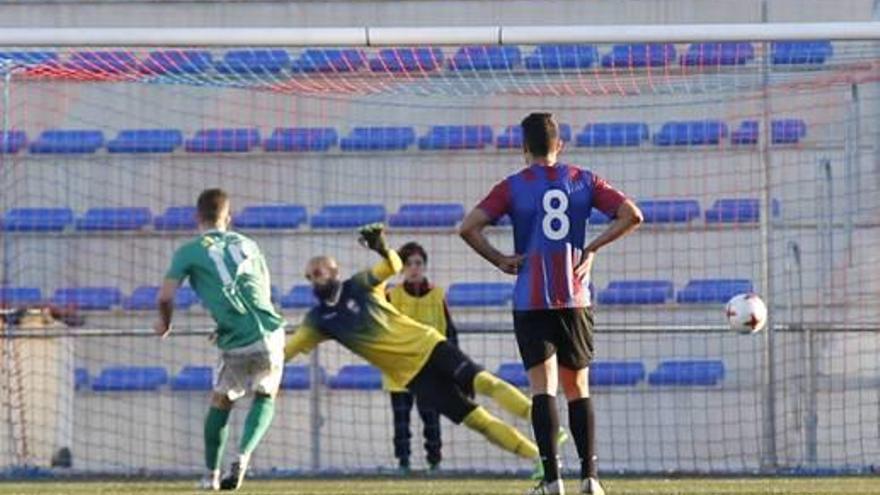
257 367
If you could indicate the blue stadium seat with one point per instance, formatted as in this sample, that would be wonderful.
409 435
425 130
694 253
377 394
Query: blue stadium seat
670 211
611 373
144 298
503 221
489 57
145 141
27 58
357 377
193 378
301 139
176 218
407 60
719 53
12 141
330 60
186 297
598 218
298 377
427 215
693 132
612 134
562 57
800 52
639 55
177 62
299 297
687 373
270 217
479 294
61 141
637 292
347 216
720 291
746 133
738 210
37 219
105 62
513 373
456 137
378 139
223 141
130 378
512 136
124 218
88 298
80 378
20 296
787 131
254 62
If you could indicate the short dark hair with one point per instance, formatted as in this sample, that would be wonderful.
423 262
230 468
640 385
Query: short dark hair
410 249
211 202
540 133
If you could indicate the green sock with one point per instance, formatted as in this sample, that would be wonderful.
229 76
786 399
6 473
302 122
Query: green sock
216 433
258 420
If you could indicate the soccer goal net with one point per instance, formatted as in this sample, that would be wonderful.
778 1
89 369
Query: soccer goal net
755 163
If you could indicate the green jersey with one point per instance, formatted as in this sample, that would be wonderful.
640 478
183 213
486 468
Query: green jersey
228 272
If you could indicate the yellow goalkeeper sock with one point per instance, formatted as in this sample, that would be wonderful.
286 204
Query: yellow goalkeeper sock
500 433
504 394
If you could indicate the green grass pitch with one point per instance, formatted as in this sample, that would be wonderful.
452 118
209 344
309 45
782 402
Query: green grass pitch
448 486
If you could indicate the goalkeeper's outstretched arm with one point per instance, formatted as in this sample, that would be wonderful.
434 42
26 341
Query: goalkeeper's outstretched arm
303 341
372 236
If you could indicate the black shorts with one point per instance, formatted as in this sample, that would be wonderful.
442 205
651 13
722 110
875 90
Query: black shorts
566 332
446 381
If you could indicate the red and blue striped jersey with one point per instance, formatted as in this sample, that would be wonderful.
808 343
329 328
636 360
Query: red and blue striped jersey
549 207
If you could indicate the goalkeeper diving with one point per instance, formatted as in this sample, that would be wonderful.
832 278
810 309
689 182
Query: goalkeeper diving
356 313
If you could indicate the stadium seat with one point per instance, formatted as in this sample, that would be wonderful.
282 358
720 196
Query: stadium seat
611 373
130 378
12 141
512 136
298 377
513 373
27 58
637 292
61 141
37 219
378 139
489 57
407 60
145 296
124 218
800 52
193 378
712 290
746 133
104 62
455 137
427 215
145 141
19 296
176 218
694 132
612 134
80 378
719 53
253 62
598 218
480 294
87 298
562 57
357 377
687 373
330 60
347 216
177 62
670 211
639 55
738 210
301 139
787 131
270 217
299 297
223 141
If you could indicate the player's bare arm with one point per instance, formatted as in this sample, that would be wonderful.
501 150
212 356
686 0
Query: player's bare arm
165 302
471 231
628 218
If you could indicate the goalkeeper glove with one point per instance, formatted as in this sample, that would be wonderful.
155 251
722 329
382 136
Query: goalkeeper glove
373 237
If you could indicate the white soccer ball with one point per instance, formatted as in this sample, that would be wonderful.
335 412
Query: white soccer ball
746 313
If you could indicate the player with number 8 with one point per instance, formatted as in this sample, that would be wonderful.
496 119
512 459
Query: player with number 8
549 204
